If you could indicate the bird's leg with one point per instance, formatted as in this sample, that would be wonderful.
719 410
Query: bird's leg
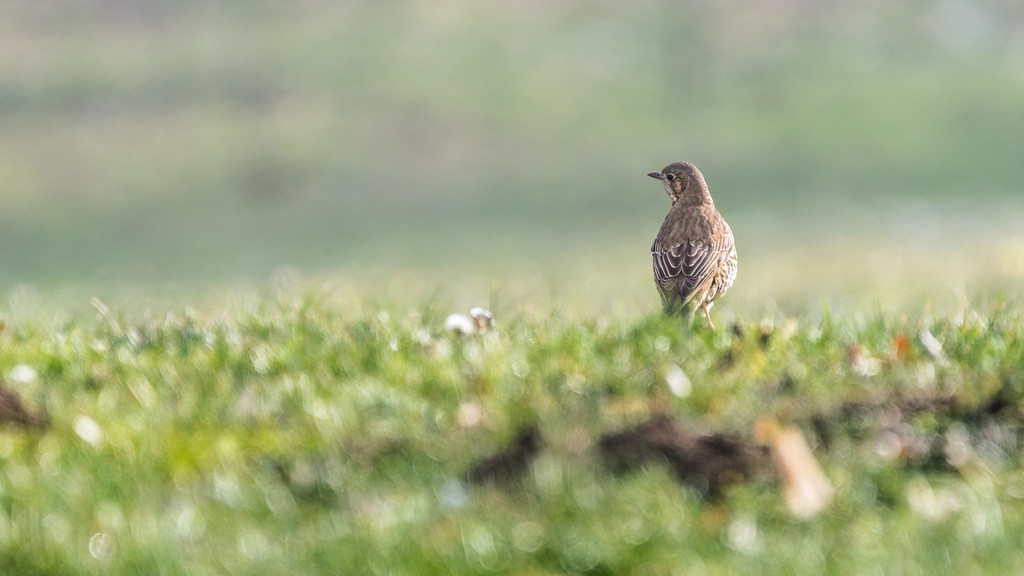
707 315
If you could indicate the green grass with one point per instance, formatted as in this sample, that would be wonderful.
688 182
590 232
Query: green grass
296 432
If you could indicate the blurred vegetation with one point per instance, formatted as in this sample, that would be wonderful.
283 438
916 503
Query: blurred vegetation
194 141
302 434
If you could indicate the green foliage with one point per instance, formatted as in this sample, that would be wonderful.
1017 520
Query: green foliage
296 434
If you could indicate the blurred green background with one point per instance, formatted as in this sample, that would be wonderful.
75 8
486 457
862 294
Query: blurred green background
860 145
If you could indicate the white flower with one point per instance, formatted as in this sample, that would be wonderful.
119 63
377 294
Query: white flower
677 381
23 374
482 318
88 430
932 345
459 323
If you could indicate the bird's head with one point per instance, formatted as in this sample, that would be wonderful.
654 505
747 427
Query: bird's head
684 181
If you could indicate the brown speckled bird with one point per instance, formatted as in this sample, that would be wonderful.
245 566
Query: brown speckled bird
694 252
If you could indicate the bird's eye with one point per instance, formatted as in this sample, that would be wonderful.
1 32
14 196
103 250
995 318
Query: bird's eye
670 177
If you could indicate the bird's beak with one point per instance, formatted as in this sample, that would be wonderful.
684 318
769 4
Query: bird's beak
655 175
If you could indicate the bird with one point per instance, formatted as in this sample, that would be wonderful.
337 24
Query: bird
694 252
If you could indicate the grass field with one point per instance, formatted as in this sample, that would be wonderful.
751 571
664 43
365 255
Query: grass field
304 431
232 234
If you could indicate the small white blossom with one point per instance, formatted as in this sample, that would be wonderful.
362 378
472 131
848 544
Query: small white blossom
482 319
88 430
932 345
459 323
677 381
23 374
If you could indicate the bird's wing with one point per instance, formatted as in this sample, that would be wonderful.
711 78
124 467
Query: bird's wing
684 268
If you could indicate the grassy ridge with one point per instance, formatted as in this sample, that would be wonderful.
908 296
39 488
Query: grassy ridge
300 434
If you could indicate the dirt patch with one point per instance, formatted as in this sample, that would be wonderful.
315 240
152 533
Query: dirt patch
986 428
707 462
13 412
508 462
